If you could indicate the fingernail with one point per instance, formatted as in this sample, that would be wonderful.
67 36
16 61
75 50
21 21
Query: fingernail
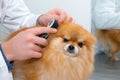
40 55
54 30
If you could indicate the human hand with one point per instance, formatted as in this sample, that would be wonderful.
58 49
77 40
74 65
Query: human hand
57 14
23 45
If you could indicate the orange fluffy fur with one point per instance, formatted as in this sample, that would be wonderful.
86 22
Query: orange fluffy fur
111 38
56 63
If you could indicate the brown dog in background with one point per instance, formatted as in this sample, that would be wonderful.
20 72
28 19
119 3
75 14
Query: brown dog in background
68 56
111 39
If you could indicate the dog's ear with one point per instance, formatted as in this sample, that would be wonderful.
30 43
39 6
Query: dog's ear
92 39
90 43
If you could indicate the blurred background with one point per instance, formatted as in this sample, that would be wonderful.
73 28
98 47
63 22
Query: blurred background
79 9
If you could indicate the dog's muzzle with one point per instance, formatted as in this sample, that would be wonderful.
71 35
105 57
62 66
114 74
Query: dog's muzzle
71 49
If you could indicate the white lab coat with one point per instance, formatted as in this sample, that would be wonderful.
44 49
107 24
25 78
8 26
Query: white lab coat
105 15
5 74
13 15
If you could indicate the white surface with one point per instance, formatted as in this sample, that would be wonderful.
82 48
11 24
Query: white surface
79 9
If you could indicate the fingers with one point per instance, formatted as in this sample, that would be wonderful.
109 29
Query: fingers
58 14
41 30
40 41
36 54
34 39
36 48
49 18
69 18
62 16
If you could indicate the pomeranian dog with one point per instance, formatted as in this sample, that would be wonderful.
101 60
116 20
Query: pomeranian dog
111 39
68 56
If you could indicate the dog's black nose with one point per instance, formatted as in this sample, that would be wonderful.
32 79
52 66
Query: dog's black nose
71 47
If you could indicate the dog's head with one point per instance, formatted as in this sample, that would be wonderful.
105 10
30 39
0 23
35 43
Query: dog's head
71 48
72 41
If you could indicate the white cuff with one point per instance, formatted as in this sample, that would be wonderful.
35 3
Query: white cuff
30 20
4 73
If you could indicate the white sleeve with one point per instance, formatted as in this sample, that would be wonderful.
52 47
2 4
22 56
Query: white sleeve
106 15
17 15
4 73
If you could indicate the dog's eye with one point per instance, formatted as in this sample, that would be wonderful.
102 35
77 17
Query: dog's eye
80 44
66 40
